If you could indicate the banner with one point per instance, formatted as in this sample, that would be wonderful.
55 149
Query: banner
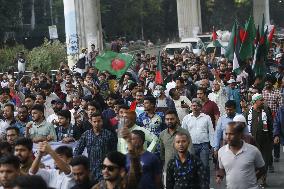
47 160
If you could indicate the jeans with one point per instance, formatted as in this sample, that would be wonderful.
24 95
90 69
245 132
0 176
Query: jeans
202 151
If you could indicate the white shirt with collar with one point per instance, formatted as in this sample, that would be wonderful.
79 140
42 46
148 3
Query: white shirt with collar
56 179
200 128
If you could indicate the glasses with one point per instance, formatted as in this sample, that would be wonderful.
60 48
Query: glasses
110 168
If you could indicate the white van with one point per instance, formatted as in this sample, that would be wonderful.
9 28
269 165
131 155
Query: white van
197 44
176 47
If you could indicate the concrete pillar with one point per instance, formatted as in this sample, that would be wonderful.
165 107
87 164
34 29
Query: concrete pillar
72 42
82 26
89 23
261 7
189 18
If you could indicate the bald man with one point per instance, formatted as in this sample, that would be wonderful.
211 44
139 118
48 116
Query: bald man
129 122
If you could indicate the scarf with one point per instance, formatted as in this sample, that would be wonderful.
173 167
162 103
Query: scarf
263 118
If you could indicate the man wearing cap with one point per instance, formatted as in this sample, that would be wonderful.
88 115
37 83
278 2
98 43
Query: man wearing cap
233 93
260 125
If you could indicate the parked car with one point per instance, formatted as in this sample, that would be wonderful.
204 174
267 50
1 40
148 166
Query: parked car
196 43
178 48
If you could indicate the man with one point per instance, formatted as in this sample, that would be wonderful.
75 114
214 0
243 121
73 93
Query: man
57 105
29 102
273 98
113 169
218 96
230 107
150 119
9 120
24 151
98 142
137 104
278 132
189 85
185 170
5 149
234 93
22 118
260 125
271 95
50 96
208 107
65 131
163 102
21 61
182 103
241 162
39 130
180 86
167 136
200 127
30 182
81 172
61 177
9 171
12 133
151 171
129 118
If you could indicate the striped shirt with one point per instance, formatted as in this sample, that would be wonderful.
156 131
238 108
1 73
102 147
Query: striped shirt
97 148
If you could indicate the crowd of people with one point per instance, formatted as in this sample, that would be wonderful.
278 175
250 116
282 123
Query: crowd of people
104 132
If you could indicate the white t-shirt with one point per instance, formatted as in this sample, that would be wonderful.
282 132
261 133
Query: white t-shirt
57 180
182 112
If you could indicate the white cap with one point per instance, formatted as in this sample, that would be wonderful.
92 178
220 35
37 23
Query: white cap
231 81
240 118
278 55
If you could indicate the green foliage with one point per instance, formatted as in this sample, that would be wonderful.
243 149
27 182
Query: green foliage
8 55
48 56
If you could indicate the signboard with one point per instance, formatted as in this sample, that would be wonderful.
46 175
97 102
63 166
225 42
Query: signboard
53 32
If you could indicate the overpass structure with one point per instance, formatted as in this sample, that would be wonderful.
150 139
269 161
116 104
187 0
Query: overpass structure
83 22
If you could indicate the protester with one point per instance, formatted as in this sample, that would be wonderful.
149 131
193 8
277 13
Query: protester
185 170
59 177
241 163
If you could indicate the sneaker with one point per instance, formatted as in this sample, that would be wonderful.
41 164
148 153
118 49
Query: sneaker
276 159
271 169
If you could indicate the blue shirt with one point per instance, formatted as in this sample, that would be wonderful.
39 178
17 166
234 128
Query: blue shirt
150 169
220 129
154 124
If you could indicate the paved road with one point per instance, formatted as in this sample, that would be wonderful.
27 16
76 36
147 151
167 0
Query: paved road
274 180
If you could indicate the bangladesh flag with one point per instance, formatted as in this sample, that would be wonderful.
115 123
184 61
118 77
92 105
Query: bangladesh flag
247 40
115 63
159 76
231 45
261 51
216 43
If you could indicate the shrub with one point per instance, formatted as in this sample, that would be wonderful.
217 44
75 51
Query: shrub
48 56
8 55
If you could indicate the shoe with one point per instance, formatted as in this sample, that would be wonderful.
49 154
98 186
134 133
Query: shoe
276 159
271 169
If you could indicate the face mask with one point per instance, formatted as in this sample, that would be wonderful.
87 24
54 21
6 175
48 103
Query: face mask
156 93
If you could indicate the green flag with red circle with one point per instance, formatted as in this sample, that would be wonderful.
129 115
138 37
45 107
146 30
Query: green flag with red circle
115 63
